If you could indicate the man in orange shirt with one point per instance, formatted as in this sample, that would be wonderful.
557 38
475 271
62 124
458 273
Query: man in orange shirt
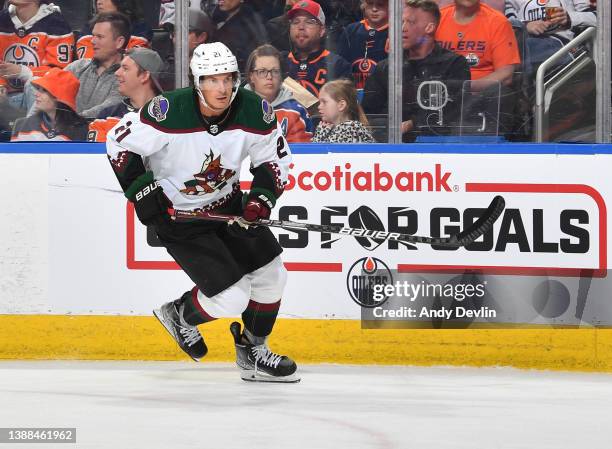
484 37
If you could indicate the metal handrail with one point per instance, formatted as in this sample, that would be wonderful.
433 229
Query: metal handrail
540 106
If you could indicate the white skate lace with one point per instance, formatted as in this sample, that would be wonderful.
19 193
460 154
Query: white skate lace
264 356
191 335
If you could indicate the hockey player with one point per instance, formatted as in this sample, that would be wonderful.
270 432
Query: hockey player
184 150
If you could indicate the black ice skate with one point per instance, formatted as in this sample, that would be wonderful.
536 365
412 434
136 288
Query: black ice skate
188 337
258 364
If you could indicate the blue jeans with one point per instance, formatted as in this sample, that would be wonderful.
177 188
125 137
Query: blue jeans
542 48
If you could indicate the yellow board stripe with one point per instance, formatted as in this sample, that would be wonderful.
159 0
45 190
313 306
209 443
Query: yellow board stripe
308 341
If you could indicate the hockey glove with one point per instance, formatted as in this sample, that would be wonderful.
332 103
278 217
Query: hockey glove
150 202
257 207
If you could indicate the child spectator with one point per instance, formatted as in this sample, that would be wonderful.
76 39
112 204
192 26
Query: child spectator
56 117
265 77
33 38
368 40
141 32
342 119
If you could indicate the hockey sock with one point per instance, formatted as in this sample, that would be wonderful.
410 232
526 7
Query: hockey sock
193 313
259 318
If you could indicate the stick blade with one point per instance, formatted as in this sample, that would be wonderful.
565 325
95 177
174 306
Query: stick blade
484 223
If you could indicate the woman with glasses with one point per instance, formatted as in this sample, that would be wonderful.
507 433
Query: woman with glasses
265 78
55 118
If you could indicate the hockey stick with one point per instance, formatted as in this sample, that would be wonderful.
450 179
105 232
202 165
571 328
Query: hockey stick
463 238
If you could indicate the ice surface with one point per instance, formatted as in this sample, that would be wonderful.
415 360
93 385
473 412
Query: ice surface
187 405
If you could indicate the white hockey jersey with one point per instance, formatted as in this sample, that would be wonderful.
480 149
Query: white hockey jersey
198 163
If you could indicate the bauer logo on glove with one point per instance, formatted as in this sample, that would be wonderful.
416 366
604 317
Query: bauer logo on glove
145 191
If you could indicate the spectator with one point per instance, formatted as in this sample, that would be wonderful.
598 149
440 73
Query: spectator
56 118
33 38
342 119
484 36
141 33
139 81
201 30
310 63
138 76
368 40
546 37
99 86
240 28
424 60
265 77
336 39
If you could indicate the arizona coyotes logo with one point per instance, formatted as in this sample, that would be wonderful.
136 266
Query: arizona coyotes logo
212 177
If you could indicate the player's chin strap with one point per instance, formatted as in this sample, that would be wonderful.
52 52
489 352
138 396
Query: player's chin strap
463 238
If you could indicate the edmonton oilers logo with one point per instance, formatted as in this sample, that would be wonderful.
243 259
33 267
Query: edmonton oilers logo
363 276
22 55
472 59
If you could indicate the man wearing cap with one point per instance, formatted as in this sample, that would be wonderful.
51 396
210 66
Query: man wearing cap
309 62
201 30
138 78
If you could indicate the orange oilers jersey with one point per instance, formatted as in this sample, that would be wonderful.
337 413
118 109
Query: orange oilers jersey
46 43
99 128
294 121
487 42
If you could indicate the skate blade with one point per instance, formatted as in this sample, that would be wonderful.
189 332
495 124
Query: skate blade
158 315
252 376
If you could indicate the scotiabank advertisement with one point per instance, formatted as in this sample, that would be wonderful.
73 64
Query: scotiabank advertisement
544 261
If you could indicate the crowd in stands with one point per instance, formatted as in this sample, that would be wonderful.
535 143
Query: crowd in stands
323 65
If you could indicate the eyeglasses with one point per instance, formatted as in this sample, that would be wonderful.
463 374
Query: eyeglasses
263 73
305 22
